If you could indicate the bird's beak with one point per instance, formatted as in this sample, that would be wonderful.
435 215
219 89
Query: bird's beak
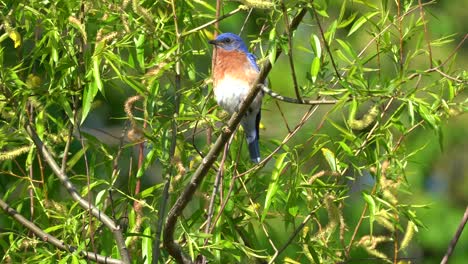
213 42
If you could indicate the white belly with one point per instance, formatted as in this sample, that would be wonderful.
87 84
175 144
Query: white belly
230 92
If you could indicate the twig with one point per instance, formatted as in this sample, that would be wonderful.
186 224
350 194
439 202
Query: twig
455 238
290 52
358 225
218 181
295 101
240 8
294 234
46 237
172 247
282 116
67 148
296 129
426 33
325 42
101 216
165 194
400 33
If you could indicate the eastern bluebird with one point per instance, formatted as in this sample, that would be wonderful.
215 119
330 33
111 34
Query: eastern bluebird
234 72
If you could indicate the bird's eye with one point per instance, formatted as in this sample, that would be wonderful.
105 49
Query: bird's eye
228 40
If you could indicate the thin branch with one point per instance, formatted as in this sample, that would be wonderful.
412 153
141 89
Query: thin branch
290 52
46 237
455 238
172 247
67 148
101 216
282 116
296 129
237 10
358 225
400 33
295 101
327 46
426 33
294 234
177 89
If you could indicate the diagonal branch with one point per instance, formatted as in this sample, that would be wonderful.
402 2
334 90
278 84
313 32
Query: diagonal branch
173 247
53 240
455 238
101 216
303 101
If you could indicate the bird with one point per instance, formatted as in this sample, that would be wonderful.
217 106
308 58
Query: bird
234 72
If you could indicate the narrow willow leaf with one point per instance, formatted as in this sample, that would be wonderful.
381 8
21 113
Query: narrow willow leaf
147 162
315 69
372 210
97 73
146 245
347 48
330 158
361 21
427 116
316 45
348 21
272 53
330 34
90 92
411 112
140 50
273 187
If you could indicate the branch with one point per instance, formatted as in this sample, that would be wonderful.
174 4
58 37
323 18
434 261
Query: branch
214 21
46 237
293 100
101 216
454 241
172 247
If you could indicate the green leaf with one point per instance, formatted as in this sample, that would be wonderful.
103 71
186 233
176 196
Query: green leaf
411 112
427 115
316 45
330 158
315 69
372 210
146 245
345 45
273 187
97 73
150 157
348 21
361 21
272 52
293 210
90 92
140 50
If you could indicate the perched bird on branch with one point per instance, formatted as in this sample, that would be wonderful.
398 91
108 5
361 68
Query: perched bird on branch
234 72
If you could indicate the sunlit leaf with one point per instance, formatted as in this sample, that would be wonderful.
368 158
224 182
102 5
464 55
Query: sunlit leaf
361 21
372 210
330 158
315 68
16 37
274 183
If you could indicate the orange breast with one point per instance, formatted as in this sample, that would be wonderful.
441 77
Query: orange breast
234 64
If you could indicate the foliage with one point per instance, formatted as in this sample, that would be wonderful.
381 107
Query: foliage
332 184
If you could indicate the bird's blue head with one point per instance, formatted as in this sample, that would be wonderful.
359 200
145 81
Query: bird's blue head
229 42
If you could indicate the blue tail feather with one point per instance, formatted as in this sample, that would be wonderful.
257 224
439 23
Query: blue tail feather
254 146
254 151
